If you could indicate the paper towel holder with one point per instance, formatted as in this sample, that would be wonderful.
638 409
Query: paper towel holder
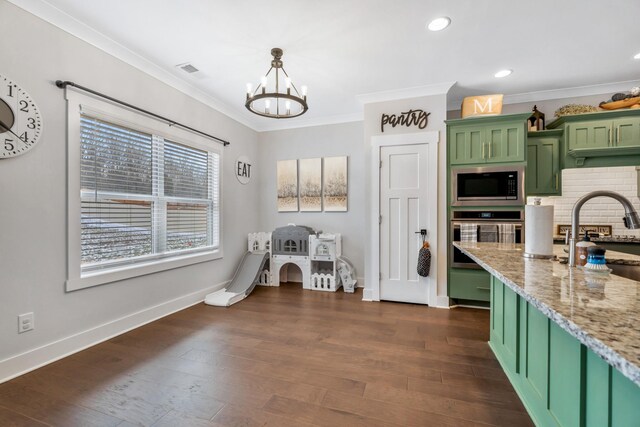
537 202
536 256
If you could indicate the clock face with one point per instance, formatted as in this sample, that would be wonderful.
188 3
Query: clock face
20 120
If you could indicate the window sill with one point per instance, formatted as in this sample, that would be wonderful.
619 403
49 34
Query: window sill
102 277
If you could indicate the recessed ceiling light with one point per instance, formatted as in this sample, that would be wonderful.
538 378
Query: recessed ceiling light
636 56
503 73
439 24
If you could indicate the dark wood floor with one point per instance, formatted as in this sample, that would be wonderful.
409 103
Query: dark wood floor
282 357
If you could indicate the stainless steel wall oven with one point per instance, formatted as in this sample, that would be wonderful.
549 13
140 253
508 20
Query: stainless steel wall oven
515 217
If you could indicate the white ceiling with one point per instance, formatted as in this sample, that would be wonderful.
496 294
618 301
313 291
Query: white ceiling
344 48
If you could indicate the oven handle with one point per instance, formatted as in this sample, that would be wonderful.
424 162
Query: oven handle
485 222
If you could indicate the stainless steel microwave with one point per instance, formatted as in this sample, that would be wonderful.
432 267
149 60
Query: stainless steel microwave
488 186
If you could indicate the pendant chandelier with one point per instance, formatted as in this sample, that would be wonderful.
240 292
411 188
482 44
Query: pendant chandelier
268 100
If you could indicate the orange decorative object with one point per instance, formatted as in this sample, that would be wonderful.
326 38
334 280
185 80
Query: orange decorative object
625 103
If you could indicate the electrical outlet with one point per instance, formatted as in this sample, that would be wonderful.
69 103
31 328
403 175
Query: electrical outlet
25 322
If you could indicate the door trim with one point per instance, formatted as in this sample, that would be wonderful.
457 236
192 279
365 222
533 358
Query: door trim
432 139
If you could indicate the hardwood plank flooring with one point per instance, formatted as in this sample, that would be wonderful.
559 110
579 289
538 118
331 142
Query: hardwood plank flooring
282 357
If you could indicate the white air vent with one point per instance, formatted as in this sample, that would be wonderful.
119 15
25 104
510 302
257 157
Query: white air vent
188 68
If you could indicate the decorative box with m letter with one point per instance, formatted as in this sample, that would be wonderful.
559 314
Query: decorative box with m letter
485 105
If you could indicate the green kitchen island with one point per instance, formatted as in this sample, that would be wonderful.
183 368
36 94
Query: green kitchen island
568 340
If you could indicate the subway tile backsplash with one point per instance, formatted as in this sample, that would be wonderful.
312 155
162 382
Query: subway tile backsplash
602 210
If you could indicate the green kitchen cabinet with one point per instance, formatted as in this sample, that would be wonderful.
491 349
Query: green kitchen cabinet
504 322
466 145
622 132
594 134
491 139
565 376
469 284
560 381
626 132
543 164
505 142
608 138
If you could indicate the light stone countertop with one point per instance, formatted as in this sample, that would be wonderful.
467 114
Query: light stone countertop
612 257
601 311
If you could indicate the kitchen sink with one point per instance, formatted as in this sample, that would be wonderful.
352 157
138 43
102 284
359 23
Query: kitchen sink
629 271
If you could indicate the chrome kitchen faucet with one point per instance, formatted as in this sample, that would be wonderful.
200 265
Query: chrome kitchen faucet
631 218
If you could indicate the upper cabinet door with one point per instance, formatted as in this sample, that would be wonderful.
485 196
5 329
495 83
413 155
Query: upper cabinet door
505 143
466 145
595 134
626 132
543 166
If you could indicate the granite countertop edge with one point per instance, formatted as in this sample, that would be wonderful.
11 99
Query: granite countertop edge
612 357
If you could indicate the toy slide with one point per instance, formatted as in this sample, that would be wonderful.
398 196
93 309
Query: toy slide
244 280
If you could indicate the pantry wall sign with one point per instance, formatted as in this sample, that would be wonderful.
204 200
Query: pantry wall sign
419 118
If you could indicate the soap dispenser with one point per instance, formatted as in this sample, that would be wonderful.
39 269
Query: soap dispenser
582 248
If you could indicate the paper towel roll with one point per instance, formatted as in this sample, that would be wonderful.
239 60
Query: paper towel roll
538 236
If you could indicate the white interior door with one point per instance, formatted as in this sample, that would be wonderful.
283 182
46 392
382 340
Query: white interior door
404 184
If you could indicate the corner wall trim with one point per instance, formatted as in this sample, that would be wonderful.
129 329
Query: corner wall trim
30 360
367 295
442 302
406 93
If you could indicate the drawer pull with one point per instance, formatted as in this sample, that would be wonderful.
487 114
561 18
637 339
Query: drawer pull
483 289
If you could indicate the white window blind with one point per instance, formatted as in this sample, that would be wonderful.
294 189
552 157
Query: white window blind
143 197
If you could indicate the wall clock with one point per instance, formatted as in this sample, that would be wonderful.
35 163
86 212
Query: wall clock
20 120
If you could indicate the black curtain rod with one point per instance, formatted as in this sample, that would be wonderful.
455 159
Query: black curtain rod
63 84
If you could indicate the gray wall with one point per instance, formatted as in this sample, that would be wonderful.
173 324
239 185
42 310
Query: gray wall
319 141
33 189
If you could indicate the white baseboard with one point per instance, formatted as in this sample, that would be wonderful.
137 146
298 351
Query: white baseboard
367 295
442 301
33 359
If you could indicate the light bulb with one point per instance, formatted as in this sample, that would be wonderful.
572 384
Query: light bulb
503 73
304 90
263 81
287 105
287 82
249 88
267 105
439 24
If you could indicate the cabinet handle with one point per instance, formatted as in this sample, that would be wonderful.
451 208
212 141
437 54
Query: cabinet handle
617 136
483 144
557 181
490 150
483 289
610 138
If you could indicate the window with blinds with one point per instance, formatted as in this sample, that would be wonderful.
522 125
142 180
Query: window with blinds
143 197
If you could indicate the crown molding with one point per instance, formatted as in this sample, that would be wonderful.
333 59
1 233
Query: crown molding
406 93
309 122
571 92
71 25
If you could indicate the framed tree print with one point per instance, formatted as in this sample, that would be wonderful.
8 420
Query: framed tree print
335 184
311 185
287 182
